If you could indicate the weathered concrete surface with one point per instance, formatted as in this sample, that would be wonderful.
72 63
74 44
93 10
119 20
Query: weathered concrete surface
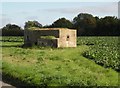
64 37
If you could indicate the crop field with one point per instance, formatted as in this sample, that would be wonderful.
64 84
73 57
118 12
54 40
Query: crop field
103 50
94 62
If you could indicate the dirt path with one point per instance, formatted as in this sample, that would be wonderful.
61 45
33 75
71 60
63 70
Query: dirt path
3 85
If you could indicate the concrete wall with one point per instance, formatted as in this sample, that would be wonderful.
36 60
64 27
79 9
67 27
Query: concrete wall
67 38
32 36
64 37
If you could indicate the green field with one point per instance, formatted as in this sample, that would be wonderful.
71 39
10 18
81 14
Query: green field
103 50
95 62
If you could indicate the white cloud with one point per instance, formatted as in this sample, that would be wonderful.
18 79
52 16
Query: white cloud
59 0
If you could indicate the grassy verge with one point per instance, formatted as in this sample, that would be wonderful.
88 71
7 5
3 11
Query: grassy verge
54 67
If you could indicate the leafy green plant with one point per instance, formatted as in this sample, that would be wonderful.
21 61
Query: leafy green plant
104 50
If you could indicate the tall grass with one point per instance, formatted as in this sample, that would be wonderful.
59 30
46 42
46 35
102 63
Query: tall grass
54 67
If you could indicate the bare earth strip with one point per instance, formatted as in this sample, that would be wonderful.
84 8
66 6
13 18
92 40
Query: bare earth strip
5 85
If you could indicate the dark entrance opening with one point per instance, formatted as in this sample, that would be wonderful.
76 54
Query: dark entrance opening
68 37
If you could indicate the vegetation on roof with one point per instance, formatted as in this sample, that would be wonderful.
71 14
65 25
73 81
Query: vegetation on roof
32 28
47 37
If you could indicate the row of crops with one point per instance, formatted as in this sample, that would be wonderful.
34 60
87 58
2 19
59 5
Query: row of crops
11 39
103 50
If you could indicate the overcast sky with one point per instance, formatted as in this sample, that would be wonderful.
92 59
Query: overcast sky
47 12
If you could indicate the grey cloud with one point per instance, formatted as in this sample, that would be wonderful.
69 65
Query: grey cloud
4 21
32 17
102 9
23 12
3 15
119 10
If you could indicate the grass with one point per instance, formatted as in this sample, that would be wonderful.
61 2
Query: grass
53 67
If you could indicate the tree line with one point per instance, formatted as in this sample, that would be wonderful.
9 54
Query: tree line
85 24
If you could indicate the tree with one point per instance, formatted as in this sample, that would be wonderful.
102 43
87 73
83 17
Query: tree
108 26
84 23
12 30
32 24
11 27
62 23
118 31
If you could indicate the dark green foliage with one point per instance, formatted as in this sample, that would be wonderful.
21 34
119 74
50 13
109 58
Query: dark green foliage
87 25
32 24
12 30
107 26
62 23
84 23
